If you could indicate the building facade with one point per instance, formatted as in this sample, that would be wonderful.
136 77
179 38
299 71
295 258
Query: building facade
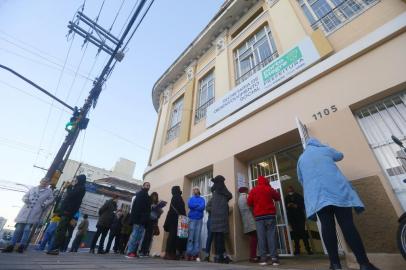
264 75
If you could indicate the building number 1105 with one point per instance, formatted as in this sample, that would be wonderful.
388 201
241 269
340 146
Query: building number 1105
325 112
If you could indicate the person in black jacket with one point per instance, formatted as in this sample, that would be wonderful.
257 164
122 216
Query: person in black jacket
296 216
106 217
115 230
69 206
140 213
175 246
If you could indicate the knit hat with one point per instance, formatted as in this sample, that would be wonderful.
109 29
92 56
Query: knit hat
81 179
218 178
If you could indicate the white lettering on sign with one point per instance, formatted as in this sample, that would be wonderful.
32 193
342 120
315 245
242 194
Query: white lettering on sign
272 75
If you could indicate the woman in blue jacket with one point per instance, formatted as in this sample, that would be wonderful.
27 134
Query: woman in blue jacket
196 205
328 194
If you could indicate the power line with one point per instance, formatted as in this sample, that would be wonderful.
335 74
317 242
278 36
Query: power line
115 18
128 18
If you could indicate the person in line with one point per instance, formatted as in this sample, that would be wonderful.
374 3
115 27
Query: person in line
219 225
80 234
69 206
196 206
329 195
125 232
152 227
71 227
115 230
262 200
140 214
36 200
106 217
296 217
175 246
209 238
49 232
248 222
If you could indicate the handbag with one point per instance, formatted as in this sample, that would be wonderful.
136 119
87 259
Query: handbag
183 225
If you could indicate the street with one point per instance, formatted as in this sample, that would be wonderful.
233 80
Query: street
33 260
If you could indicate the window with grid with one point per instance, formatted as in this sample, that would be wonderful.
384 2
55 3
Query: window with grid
175 120
205 96
254 54
330 14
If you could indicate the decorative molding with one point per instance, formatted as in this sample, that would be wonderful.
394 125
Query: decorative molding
220 44
190 71
167 93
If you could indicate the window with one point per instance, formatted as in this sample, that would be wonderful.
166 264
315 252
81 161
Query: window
205 96
254 54
330 14
176 118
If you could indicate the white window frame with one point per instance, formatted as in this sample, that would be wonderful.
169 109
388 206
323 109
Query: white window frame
175 120
252 51
340 12
204 97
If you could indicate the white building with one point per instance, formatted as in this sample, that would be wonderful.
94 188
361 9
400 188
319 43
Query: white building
3 222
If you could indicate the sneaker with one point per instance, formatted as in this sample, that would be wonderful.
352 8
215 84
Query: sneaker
8 249
91 251
131 255
206 259
368 266
275 262
263 263
53 252
335 266
198 259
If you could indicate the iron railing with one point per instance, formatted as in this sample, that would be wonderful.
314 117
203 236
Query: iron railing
173 132
341 13
202 110
257 67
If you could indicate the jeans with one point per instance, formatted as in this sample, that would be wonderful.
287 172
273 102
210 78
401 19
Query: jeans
135 238
266 232
21 234
253 244
209 238
48 235
100 231
350 232
193 241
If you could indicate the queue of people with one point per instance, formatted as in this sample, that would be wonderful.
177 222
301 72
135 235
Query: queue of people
328 196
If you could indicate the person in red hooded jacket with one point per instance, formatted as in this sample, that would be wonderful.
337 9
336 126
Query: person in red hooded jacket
262 200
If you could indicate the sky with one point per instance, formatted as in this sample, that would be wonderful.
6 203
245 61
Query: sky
34 42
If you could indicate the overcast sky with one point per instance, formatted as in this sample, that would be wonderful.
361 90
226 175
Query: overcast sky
33 42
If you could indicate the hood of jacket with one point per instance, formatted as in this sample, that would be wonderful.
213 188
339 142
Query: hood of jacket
176 190
314 142
81 180
262 181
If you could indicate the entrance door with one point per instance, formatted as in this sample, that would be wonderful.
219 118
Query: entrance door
379 121
203 182
268 167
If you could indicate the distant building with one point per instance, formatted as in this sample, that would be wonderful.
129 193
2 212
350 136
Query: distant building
123 170
3 222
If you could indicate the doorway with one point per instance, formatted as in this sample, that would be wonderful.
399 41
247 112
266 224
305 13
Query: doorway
280 169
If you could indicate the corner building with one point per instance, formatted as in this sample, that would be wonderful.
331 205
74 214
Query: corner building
264 75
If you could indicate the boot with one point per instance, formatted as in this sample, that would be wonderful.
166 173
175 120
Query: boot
53 252
335 266
368 266
91 251
8 249
20 248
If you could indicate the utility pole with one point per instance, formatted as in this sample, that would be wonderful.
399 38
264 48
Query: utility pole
79 120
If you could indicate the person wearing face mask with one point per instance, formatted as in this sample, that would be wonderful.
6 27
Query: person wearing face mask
36 200
140 214
296 217
68 207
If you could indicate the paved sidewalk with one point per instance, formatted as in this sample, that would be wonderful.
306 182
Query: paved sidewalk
34 260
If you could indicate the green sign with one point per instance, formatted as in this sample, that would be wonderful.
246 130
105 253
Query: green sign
281 63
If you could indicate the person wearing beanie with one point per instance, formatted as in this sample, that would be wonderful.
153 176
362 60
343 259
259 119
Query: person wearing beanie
196 205
219 216
248 222
68 208
175 246
262 200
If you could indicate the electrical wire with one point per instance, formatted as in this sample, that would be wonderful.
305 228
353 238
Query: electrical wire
115 18
128 18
